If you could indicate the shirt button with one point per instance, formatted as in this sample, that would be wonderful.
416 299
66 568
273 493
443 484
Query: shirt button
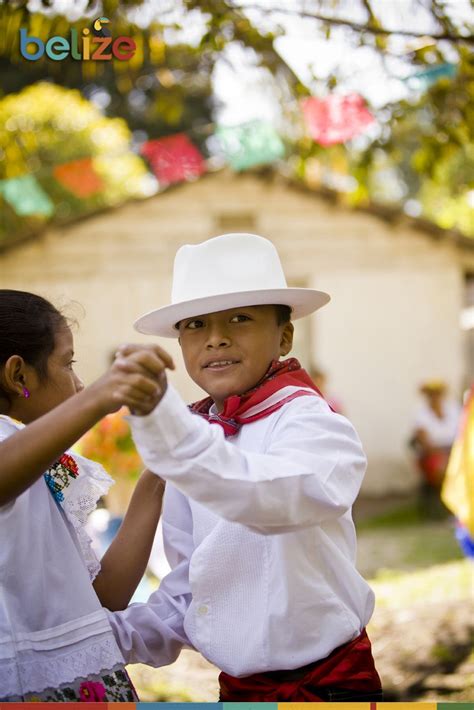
202 610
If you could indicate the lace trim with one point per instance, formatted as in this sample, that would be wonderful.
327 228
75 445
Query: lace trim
34 672
80 500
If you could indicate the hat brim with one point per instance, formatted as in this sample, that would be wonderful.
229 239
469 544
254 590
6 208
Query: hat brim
162 321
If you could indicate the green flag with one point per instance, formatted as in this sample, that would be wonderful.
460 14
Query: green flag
250 144
26 196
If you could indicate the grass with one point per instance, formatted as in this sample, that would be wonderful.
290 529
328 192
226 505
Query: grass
445 582
400 516
401 540
151 689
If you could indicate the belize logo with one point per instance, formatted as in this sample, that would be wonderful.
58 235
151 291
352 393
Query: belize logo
99 47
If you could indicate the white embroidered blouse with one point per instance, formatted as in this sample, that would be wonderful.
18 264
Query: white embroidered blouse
52 626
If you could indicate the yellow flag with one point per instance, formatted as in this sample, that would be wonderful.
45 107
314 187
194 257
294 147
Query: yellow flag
458 486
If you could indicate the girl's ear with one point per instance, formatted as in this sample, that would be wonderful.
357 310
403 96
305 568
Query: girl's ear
14 377
286 340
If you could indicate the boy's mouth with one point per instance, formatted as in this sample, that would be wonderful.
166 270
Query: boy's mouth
217 365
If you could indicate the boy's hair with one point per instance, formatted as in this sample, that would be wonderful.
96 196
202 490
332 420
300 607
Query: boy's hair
283 314
28 326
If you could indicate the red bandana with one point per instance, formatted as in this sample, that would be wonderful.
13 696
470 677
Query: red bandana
282 382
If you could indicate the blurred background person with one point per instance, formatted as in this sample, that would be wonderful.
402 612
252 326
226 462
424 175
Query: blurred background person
434 431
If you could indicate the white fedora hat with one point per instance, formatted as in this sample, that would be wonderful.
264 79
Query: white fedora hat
225 272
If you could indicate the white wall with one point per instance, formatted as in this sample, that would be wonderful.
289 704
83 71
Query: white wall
384 333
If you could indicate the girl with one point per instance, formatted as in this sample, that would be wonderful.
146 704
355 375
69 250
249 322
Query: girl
55 641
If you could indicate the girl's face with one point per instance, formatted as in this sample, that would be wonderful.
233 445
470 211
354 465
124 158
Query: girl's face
58 384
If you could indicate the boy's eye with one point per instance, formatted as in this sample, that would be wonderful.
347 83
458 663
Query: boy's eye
239 318
193 324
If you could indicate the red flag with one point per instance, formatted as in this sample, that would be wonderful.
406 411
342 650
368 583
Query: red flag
174 158
79 177
336 118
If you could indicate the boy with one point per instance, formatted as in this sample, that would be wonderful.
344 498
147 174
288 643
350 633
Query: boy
261 476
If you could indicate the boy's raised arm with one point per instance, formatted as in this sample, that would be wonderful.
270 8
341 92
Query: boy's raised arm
311 472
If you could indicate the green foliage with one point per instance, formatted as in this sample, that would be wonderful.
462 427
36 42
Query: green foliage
431 144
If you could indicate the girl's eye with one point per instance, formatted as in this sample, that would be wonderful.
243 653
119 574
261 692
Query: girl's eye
193 324
239 318
70 364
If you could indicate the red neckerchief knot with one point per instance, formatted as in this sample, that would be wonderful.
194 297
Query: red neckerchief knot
282 382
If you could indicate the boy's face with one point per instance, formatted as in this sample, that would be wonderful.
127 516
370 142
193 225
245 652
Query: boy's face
228 352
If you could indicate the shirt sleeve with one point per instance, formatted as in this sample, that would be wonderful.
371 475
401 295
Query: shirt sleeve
310 472
153 632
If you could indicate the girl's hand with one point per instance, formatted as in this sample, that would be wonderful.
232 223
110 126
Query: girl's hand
136 379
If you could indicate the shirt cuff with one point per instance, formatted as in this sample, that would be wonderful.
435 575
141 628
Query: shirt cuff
169 423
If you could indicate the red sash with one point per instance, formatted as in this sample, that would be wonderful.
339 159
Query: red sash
349 667
282 382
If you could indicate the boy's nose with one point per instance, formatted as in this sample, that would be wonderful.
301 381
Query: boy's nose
217 338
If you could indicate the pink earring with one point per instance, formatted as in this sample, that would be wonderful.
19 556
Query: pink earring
26 393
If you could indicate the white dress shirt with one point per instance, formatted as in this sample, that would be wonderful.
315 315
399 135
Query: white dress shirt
52 626
259 535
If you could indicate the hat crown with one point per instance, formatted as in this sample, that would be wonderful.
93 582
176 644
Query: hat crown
230 271
226 264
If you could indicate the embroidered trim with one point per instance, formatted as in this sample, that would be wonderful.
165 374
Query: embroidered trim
59 476
32 673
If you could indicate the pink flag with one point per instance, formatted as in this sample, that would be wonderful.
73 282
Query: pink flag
336 118
174 158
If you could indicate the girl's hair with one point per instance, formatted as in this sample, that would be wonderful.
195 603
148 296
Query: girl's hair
28 326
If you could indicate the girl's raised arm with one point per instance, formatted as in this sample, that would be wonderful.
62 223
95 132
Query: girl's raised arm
136 381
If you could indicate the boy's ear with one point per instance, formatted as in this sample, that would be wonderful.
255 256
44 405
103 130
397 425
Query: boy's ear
14 375
286 340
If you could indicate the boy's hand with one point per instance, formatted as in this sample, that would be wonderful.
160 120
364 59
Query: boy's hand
136 379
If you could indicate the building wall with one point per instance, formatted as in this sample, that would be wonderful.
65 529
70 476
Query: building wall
392 322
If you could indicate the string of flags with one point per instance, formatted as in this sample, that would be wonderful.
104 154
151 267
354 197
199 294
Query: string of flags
331 120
